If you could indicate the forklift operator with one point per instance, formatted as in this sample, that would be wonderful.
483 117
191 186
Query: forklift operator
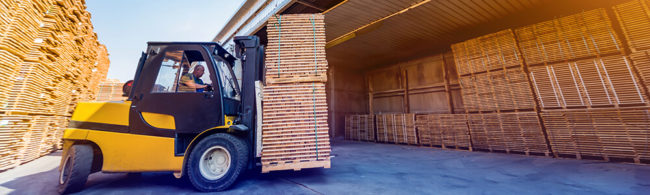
191 82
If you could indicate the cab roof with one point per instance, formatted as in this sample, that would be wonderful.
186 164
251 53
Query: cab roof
181 43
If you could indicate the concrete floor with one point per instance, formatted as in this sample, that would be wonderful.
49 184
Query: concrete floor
369 168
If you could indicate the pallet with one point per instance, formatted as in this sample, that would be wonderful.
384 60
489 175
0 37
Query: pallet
296 166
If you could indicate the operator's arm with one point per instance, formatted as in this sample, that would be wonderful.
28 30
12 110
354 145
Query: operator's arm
190 82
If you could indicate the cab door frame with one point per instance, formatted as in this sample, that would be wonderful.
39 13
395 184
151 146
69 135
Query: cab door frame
183 106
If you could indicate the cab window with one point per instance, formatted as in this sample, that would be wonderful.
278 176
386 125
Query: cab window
182 71
228 85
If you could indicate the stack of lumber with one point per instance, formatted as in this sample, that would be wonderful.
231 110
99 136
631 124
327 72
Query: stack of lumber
634 21
635 24
50 59
443 130
607 133
592 94
601 81
294 109
490 73
576 61
519 132
641 61
504 90
497 95
110 90
360 127
583 35
490 52
12 129
396 128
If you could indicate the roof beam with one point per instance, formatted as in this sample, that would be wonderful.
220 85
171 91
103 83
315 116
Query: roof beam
310 5
352 34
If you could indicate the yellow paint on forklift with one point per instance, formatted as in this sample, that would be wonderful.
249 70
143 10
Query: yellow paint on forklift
163 121
124 152
116 113
75 134
228 121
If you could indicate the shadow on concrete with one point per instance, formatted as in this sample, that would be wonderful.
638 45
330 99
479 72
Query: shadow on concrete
39 183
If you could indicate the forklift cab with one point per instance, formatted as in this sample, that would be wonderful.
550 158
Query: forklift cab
163 87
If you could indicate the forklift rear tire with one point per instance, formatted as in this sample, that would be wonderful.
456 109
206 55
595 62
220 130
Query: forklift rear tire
216 162
76 168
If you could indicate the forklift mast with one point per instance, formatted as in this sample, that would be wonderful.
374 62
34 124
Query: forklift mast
251 54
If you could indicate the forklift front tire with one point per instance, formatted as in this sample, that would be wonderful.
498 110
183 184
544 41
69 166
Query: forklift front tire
75 169
216 161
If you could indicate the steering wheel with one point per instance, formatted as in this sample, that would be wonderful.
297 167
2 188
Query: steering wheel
209 88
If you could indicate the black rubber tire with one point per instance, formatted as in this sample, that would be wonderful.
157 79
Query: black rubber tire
238 150
78 162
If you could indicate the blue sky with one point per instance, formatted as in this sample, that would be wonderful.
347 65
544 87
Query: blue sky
125 26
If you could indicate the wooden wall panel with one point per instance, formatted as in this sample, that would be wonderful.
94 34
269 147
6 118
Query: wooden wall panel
391 104
457 100
386 79
431 102
414 86
425 72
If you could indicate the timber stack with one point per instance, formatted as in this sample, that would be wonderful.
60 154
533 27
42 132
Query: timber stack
294 125
110 90
49 60
576 86
360 127
498 100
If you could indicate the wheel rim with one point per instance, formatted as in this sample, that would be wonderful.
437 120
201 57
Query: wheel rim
65 170
214 163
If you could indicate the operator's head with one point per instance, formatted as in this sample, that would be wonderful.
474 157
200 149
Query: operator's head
198 71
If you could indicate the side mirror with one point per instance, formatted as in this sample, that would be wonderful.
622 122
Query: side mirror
126 88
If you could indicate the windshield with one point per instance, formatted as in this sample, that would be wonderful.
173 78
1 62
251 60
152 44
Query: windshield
227 78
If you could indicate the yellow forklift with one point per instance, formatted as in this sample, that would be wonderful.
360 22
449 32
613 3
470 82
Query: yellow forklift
178 118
